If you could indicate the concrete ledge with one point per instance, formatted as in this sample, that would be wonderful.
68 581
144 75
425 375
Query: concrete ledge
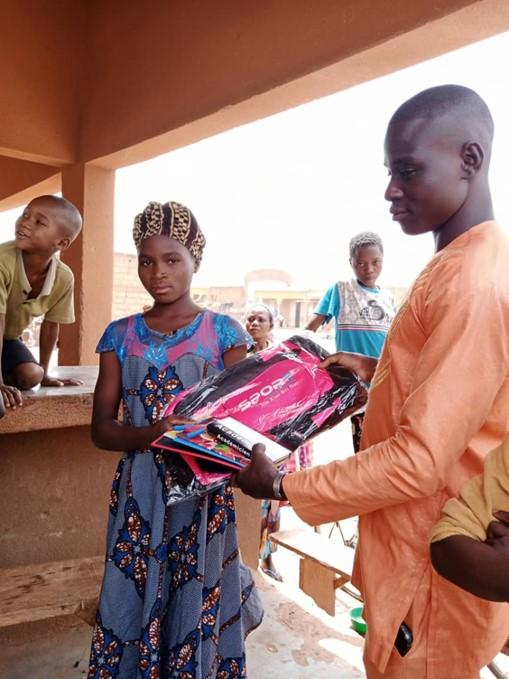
54 407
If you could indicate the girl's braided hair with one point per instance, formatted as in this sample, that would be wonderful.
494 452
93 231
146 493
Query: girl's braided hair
173 220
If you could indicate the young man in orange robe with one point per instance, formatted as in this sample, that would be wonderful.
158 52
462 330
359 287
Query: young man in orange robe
438 402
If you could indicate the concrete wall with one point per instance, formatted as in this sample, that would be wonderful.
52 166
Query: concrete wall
41 79
129 295
55 489
180 62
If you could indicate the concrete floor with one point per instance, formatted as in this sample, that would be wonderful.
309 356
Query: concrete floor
297 640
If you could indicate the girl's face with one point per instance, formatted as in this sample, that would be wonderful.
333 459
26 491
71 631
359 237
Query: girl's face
258 323
165 268
367 264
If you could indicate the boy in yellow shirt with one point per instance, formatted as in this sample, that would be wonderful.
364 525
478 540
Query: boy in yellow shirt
468 547
34 282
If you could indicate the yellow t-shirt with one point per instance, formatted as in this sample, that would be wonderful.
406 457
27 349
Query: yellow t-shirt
55 301
472 512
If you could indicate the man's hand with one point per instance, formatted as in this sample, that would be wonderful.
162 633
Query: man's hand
363 366
11 396
257 479
48 381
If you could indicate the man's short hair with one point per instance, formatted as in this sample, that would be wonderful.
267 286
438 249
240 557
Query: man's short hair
470 113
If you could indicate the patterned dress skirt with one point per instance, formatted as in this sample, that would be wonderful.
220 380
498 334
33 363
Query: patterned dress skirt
176 601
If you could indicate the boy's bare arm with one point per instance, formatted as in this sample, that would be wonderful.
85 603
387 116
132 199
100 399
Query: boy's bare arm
314 323
47 342
10 397
481 568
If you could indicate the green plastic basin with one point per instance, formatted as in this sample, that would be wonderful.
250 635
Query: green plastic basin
358 622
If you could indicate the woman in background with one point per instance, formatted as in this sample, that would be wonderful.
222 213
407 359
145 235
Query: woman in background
260 324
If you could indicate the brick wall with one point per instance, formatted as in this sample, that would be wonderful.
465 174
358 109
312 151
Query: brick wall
129 295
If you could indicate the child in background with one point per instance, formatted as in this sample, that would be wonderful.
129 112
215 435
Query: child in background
363 311
259 324
34 282
175 599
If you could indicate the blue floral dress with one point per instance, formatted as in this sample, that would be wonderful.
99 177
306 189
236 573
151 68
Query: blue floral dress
176 602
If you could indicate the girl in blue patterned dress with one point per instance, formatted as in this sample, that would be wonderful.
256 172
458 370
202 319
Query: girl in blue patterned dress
176 602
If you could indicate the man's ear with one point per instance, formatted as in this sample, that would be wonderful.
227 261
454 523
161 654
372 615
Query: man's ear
472 154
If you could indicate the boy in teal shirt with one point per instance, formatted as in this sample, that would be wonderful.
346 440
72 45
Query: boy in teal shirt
363 312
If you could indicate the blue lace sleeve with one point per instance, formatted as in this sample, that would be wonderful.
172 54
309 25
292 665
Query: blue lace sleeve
111 339
230 333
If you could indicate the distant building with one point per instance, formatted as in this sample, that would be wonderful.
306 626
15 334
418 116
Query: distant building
273 287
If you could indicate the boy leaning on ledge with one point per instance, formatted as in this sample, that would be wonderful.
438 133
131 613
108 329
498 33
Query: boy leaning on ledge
34 282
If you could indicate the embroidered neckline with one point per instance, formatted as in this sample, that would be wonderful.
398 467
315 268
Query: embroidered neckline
144 332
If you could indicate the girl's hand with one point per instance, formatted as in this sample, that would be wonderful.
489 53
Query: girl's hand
166 423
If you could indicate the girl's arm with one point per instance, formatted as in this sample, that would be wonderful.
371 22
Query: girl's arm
234 355
107 432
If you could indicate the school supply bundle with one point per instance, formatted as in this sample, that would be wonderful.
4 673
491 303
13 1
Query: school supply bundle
218 444
279 393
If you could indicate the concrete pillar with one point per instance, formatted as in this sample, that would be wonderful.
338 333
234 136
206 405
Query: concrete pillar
90 257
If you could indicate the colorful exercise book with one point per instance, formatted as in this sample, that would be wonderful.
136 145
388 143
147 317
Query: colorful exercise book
218 444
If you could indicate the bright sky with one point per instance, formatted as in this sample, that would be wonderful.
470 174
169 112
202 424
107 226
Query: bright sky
289 191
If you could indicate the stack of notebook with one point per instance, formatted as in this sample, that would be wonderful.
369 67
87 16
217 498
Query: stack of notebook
218 444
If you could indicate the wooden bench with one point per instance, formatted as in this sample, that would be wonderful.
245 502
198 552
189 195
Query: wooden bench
324 565
49 590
